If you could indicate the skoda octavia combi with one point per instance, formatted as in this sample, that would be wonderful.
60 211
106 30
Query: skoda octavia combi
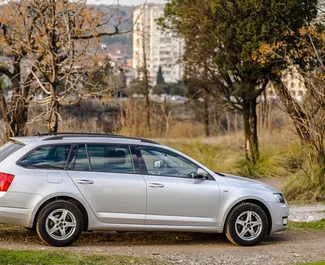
63 184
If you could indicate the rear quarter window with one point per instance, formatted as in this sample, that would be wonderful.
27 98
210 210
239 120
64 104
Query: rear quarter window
8 149
47 157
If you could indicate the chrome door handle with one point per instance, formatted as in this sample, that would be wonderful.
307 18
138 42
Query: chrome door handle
156 185
85 181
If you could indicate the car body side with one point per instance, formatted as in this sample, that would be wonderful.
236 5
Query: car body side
31 192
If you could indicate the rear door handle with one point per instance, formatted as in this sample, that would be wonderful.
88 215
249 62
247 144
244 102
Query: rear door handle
156 185
85 181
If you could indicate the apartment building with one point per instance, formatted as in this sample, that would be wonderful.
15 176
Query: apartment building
162 48
294 82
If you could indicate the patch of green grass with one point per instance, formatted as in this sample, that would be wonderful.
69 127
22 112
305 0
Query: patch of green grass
317 225
313 263
15 257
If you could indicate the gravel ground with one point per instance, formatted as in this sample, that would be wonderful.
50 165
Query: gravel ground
307 213
288 247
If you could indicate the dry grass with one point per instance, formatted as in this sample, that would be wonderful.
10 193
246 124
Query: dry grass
226 154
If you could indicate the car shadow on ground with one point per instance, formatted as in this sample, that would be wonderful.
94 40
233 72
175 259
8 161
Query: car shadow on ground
13 234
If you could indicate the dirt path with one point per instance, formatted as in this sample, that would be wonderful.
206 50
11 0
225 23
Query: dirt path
287 247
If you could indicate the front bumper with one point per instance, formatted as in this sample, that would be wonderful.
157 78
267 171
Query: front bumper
279 213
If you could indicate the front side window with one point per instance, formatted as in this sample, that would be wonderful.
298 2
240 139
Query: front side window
110 158
50 157
159 162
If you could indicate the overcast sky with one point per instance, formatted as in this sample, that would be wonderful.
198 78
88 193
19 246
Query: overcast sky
125 2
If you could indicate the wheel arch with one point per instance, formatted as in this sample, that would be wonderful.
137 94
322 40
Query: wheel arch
65 198
256 202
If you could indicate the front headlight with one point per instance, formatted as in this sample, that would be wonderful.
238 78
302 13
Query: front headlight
279 197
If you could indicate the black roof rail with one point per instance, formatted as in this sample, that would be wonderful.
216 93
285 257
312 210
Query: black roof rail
59 136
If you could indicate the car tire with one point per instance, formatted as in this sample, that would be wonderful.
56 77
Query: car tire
59 223
246 225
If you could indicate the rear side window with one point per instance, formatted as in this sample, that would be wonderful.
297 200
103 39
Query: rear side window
110 158
49 157
8 149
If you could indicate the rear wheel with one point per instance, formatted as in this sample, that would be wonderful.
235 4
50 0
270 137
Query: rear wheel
246 225
59 223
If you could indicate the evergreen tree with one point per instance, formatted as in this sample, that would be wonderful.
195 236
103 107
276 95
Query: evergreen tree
160 77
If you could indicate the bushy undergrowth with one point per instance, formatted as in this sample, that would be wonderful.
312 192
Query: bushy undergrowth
281 158
276 160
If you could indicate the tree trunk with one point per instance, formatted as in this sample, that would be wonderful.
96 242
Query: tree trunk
53 121
206 114
21 116
148 111
228 123
5 118
265 112
146 79
321 163
250 127
236 126
17 109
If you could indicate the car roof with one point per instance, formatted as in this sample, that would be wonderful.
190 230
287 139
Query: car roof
79 136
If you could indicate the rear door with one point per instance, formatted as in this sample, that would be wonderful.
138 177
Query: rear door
107 178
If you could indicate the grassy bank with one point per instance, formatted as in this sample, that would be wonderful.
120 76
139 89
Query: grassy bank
279 154
14 257
313 263
316 225
281 157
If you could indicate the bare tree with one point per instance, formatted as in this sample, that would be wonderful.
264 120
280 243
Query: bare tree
55 42
306 64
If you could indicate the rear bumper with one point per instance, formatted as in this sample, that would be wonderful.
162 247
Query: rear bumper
15 216
280 213
16 208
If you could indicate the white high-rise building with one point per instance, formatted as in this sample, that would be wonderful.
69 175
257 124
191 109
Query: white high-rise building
162 48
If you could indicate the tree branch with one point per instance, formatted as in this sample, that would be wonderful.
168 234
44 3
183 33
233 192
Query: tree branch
98 35
5 70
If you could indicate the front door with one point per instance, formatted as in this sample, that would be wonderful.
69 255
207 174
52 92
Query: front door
105 175
175 196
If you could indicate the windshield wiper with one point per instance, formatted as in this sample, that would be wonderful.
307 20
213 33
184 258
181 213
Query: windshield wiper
220 174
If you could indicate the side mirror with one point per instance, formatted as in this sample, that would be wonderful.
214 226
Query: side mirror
158 164
201 174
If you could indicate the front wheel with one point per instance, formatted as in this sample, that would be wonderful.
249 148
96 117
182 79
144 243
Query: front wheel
59 223
246 224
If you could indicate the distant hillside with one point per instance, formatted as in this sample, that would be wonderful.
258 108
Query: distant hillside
123 13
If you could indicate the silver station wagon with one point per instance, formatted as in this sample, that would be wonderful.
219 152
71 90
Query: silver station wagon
63 184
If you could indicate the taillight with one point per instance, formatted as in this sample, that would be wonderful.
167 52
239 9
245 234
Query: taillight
5 181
